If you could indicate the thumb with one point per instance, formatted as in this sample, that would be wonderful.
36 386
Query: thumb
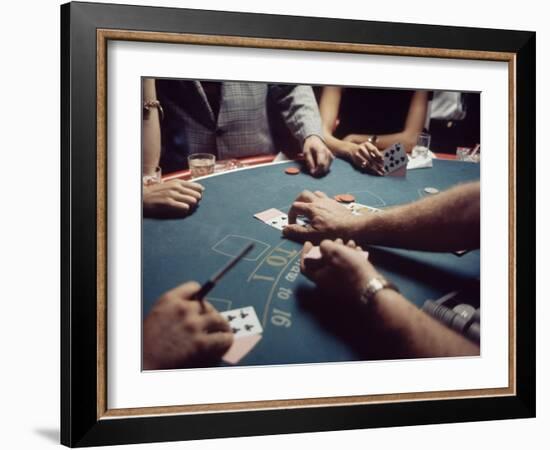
297 232
187 290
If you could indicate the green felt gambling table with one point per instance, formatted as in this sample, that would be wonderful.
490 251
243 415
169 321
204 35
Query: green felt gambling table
298 327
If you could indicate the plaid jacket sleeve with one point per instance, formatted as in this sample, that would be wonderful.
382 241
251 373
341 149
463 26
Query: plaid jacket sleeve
298 108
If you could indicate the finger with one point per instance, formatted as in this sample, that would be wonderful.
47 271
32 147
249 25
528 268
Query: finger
375 152
173 203
187 199
329 157
339 241
359 248
309 160
373 165
320 194
187 290
328 248
360 160
299 232
321 159
195 194
215 322
192 185
299 209
183 189
351 244
207 308
366 155
336 255
376 158
216 344
305 196
305 250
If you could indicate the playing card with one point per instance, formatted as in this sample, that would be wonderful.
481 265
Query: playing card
358 209
273 217
395 157
243 321
240 348
278 219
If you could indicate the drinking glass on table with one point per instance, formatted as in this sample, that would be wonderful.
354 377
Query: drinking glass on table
201 164
152 175
422 146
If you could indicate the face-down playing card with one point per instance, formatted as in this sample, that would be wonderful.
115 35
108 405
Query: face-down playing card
315 254
395 157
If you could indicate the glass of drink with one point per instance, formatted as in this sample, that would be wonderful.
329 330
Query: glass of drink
152 175
422 146
463 153
201 164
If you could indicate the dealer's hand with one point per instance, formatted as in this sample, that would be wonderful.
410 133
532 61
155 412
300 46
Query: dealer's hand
317 156
365 156
180 332
327 218
343 270
175 198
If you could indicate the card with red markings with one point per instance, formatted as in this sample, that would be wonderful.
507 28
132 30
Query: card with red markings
315 254
247 332
240 348
277 219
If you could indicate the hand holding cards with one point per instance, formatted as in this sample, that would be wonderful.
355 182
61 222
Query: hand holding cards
395 160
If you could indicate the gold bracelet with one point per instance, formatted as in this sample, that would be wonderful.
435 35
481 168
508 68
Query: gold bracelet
153 104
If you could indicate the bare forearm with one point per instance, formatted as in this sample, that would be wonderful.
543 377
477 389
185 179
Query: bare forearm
409 332
443 222
383 141
340 148
151 129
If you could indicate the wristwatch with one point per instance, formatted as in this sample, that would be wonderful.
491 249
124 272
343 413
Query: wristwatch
373 286
372 139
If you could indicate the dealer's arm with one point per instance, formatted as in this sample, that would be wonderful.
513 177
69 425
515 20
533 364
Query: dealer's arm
444 222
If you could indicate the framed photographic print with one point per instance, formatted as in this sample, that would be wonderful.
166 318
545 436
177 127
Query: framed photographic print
277 224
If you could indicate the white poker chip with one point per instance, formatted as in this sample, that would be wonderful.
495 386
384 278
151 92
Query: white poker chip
431 190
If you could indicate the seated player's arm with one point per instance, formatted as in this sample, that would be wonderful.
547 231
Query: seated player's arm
300 112
363 154
414 124
180 332
410 332
151 129
176 198
329 106
390 318
447 221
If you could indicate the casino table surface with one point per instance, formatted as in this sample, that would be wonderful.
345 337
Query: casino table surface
300 325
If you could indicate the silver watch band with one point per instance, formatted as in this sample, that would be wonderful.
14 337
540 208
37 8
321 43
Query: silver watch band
373 286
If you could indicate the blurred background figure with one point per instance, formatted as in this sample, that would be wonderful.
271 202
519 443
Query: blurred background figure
358 122
454 120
